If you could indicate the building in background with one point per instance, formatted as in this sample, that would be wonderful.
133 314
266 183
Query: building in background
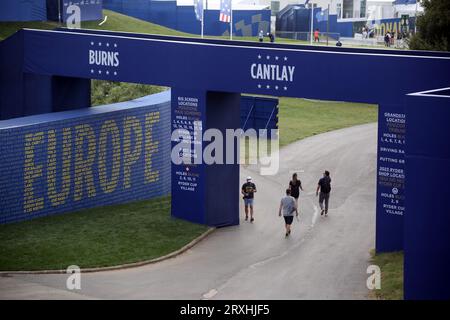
347 18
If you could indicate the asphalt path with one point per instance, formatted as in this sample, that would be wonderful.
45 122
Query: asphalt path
324 258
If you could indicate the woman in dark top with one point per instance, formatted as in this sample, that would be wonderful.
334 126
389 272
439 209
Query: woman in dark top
295 185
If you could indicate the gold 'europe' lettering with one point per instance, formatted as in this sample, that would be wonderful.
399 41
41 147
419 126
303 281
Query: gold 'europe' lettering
79 162
151 147
109 128
83 165
131 124
58 198
31 172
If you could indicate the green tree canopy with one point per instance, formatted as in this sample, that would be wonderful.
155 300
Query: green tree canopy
433 27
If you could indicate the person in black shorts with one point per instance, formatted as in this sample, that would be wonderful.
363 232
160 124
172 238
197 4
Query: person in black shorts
295 185
324 186
287 206
248 189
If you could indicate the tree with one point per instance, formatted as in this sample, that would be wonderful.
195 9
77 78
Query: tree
433 27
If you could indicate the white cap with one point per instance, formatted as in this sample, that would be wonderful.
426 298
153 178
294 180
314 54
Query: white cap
249 178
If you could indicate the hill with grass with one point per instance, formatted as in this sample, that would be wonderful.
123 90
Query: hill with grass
114 22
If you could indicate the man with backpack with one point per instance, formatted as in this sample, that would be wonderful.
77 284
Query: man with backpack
324 186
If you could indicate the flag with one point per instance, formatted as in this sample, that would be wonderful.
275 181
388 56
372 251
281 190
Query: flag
225 11
198 6
322 15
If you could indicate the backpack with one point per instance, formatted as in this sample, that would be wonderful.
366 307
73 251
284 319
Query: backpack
326 185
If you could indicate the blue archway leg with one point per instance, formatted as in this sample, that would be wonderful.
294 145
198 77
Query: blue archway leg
205 193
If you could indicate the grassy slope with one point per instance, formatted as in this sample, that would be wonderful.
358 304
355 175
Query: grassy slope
391 265
95 237
300 118
115 22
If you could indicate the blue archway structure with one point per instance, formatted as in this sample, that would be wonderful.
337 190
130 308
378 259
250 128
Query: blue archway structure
207 77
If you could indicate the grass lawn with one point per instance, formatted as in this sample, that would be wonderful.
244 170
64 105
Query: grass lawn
391 265
95 237
300 118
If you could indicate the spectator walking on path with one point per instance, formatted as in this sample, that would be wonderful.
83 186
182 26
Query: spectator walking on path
261 36
324 186
316 35
248 190
287 207
295 185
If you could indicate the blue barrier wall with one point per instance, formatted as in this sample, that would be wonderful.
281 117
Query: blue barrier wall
427 220
259 113
23 10
66 161
182 18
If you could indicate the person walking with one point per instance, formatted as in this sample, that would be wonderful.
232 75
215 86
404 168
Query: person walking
248 190
316 35
324 186
261 36
295 185
288 207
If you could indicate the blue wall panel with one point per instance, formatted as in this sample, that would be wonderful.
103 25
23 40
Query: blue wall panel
23 10
60 162
427 222
259 113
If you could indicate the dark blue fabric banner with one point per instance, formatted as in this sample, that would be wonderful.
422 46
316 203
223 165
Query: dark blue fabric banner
279 70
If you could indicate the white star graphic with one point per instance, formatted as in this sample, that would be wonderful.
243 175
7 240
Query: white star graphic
107 72
99 71
92 70
268 87
285 58
285 88
92 43
107 44
99 44
259 56
115 45
115 73
259 86
268 57
276 58
276 87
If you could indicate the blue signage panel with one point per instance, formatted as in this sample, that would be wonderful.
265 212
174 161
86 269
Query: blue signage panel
89 9
188 171
390 177
203 191
235 67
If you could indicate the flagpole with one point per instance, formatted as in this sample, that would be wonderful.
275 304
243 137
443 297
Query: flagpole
312 23
203 17
231 20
